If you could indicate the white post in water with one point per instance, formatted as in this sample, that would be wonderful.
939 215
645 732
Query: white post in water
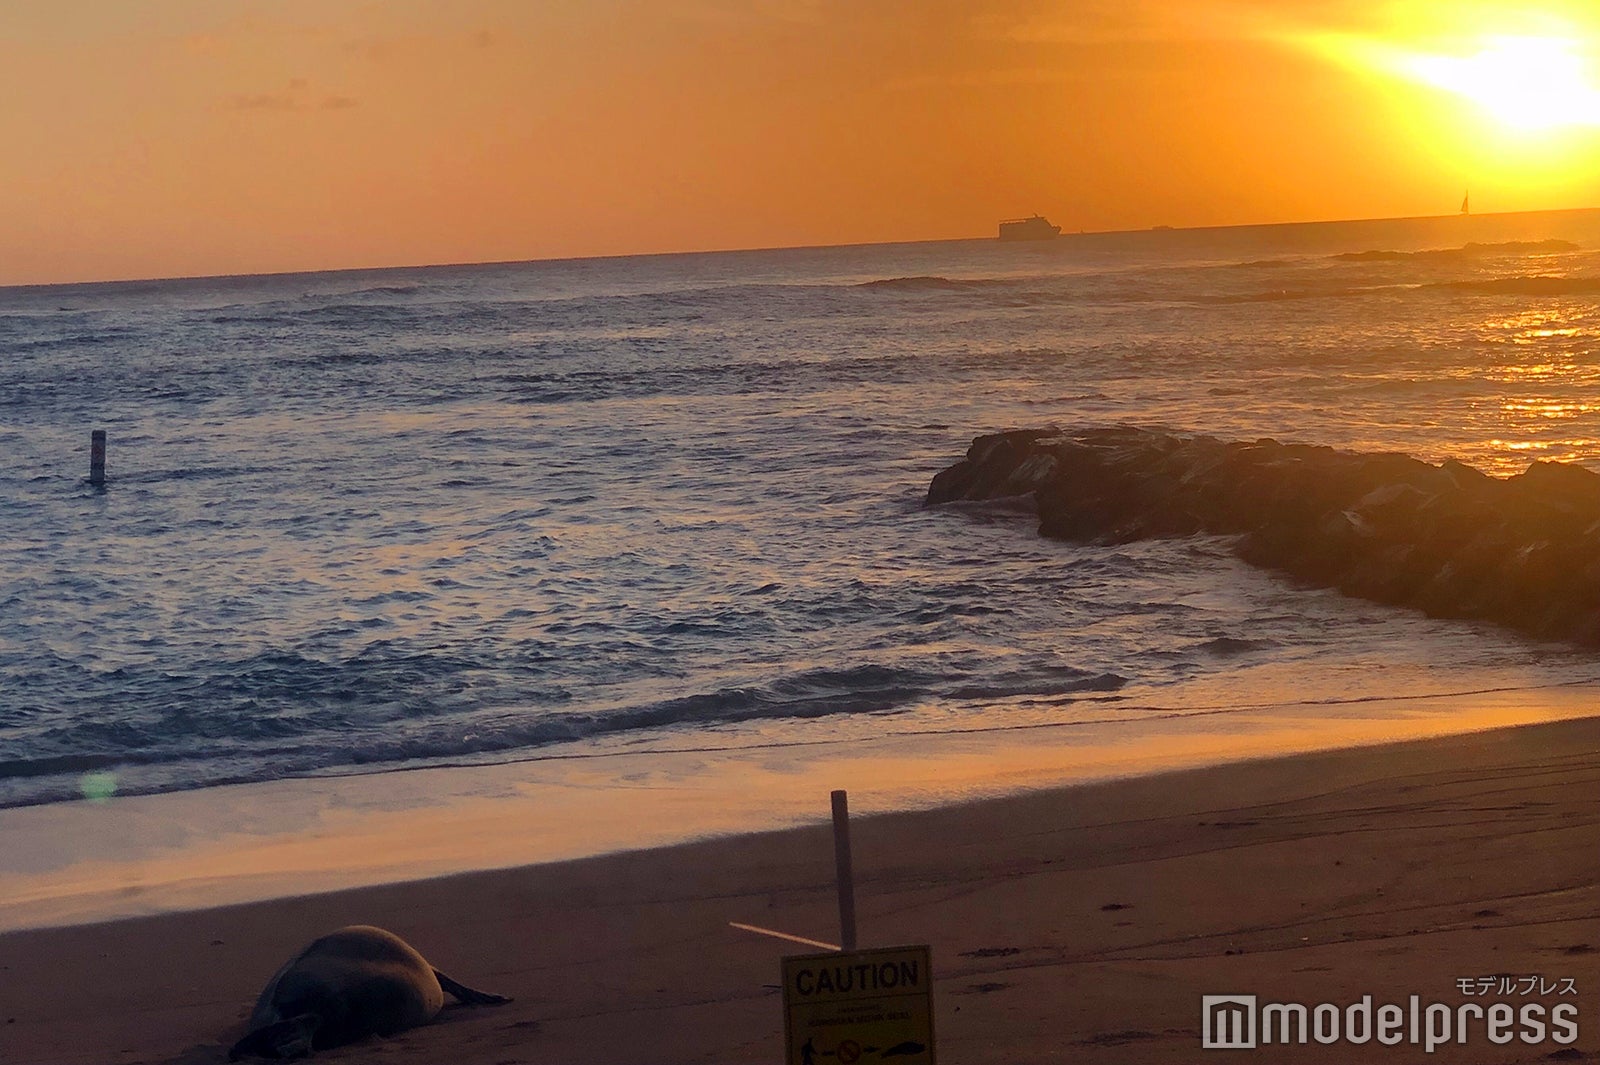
846 876
97 458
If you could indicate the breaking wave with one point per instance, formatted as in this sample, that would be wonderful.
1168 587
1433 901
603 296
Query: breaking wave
272 716
1466 251
1532 285
919 284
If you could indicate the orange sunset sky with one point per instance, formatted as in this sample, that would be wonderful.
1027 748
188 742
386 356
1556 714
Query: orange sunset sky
154 138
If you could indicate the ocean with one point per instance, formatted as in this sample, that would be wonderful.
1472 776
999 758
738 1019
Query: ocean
364 521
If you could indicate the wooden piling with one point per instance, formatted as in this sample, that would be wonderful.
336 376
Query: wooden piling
97 458
846 875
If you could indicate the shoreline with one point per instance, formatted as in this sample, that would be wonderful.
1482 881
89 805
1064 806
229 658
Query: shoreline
85 862
1073 923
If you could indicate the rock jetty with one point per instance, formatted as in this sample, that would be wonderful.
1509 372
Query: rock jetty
1449 540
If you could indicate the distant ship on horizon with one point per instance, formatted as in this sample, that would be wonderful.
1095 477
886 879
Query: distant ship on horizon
1037 227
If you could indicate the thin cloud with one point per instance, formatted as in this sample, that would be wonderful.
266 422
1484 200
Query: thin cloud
739 12
264 102
977 79
1100 22
1085 24
297 95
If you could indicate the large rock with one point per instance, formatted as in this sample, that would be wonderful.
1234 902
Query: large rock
1449 540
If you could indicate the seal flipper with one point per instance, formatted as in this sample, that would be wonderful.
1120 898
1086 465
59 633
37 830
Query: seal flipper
284 1039
467 995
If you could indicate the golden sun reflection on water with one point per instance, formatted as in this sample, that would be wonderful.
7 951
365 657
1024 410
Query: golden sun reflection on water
1540 323
1529 336
1546 408
1564 353
1576 443
1537 371
1543 367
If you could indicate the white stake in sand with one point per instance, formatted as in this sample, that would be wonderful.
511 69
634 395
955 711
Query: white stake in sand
845 876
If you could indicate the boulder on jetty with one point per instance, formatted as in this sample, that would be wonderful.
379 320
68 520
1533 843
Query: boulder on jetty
1449 540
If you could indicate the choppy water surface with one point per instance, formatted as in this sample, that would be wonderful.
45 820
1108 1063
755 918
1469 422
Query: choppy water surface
375 518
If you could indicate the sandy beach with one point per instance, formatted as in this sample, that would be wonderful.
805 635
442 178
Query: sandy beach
1077 924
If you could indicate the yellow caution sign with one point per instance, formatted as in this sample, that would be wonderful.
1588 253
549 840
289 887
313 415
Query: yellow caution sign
867 1006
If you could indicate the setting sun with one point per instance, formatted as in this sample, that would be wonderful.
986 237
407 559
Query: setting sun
1525 83
1502 100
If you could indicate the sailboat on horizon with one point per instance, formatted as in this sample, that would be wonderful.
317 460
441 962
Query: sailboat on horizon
1465 206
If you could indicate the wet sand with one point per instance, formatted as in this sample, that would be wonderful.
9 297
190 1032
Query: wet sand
1077 924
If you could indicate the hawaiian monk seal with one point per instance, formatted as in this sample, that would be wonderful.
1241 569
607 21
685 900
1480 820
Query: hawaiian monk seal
350 984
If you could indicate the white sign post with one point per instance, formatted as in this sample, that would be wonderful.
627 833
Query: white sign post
843 871
851 1006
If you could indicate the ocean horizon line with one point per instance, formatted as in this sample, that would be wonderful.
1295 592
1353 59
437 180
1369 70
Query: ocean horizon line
558 259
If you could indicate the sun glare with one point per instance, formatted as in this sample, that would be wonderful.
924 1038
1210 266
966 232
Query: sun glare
1525 83
1499 102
